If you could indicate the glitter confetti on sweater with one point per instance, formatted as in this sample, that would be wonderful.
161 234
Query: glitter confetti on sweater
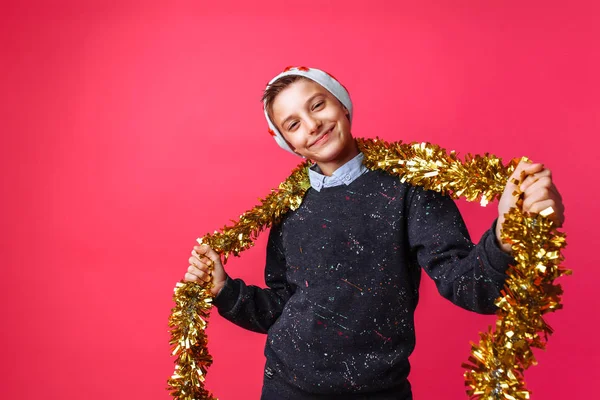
343 274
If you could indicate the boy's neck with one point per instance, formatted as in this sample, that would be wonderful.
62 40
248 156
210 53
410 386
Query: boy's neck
328 168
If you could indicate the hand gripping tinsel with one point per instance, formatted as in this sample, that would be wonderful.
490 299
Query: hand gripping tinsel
495 369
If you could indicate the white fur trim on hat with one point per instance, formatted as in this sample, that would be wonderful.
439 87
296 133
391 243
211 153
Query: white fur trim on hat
323 79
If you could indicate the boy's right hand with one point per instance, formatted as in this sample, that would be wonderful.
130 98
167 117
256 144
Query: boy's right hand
198 271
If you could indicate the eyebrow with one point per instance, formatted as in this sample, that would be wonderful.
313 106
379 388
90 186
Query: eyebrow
310 99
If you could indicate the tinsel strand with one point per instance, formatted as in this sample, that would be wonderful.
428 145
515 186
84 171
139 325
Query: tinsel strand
189 318
241 235
430 166
188 322
498 362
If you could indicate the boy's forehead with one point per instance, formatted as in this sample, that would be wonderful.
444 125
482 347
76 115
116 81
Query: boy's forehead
296 95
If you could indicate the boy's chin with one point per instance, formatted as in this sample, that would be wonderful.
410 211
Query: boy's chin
332 152
329 157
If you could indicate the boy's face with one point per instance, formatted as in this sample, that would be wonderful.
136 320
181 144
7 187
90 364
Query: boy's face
314 123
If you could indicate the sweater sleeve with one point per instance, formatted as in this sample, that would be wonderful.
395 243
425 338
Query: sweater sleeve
252 307
469 275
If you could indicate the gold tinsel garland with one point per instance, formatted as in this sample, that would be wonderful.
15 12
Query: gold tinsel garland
498 362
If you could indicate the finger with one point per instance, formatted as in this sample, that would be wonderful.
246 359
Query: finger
522 170
204 266
202 259
542 190
199 249
536 193
539 205
208 252
207 262
192 269
199 273
188 277
532 168
531 179
194 261
202 249
542 183
195 252
549 184
557 215
528 169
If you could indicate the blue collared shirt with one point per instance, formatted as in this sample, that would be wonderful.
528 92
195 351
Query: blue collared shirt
344 175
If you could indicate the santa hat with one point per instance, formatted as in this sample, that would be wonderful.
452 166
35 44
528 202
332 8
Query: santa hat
322 78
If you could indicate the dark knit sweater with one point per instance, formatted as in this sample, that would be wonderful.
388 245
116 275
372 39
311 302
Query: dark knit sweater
343 273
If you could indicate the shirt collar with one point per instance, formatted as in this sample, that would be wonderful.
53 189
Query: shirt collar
346 174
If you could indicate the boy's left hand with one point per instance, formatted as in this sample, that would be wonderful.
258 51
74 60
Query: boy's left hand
539 193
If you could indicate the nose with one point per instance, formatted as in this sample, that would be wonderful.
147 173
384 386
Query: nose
314 125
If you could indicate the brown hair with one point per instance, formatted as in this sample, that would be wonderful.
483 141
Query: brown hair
275 88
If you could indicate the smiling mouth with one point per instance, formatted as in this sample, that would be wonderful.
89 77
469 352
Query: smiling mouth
323 137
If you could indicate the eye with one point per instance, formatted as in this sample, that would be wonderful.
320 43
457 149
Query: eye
318 105
292 125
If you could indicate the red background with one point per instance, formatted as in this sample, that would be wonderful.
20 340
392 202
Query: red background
129 129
